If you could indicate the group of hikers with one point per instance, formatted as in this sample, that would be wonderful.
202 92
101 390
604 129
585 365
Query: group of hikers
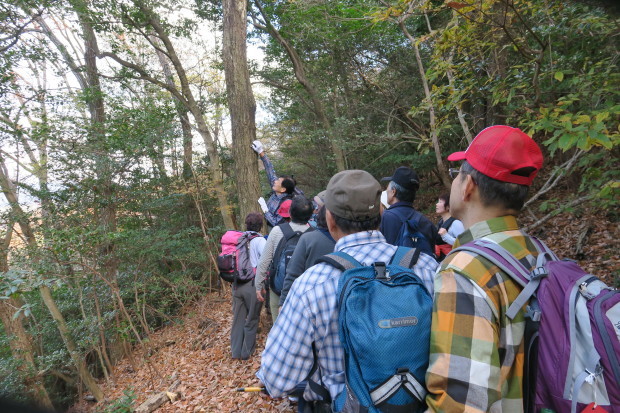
373 310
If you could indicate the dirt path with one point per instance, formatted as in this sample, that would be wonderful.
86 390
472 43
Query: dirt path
197 354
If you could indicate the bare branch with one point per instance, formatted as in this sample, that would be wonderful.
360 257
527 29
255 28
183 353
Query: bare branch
555 177
557 211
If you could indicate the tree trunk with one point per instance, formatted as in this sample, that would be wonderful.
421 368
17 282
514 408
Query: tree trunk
241 103
194 108
20 341
443 172
21 349
65 334
182 113
28 234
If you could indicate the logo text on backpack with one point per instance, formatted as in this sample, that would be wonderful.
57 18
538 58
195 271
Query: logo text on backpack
398 322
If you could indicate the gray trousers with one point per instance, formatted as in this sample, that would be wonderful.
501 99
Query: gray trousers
246 313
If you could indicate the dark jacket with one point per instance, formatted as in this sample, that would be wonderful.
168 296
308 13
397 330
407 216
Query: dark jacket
394 217
311 246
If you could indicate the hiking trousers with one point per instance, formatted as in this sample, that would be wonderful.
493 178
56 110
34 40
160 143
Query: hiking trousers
246 313
274 305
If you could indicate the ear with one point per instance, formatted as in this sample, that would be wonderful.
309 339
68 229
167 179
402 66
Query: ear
331 222
332 227
469 188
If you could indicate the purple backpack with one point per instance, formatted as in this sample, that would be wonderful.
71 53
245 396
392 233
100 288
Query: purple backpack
572 333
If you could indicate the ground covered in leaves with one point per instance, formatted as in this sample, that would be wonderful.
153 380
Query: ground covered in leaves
194 354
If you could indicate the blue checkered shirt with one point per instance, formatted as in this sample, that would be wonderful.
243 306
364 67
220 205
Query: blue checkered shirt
310 314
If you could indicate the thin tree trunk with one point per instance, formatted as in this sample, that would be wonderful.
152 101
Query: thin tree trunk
76 357
443 172
241 103
182 113
10 195
20 343
102 338
192 105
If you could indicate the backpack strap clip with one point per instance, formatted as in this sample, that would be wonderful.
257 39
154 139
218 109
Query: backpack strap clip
381 272
402 378
538 273
533 313
585 293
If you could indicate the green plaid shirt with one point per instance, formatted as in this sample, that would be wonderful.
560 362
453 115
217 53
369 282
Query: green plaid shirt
476 353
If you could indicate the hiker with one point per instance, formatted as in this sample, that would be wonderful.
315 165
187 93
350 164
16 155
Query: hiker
401 192
308 323
448 227
476 353
283 187
311 246
298 211
317 203
246 307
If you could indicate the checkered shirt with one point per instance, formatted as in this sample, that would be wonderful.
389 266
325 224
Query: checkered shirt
310 314
477 352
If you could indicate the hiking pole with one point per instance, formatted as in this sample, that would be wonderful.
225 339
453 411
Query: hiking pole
251 389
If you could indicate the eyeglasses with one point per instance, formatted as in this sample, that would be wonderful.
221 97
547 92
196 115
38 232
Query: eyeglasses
453 172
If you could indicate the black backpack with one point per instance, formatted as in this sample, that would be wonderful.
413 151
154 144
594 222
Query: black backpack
417 232
281 257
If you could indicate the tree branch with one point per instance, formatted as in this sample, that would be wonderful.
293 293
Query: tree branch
555 177
557 211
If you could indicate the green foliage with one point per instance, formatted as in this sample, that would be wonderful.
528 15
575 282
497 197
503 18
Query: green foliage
124 404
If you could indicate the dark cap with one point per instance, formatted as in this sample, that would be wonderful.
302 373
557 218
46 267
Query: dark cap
353 195
405 177
503 153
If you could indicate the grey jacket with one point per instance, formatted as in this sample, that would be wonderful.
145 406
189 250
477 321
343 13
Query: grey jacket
310 247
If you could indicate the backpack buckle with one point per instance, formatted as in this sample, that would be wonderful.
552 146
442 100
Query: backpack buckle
583 290
532 313
381 271
538 273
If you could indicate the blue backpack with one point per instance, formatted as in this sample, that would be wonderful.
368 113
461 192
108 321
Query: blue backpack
384 325
415 233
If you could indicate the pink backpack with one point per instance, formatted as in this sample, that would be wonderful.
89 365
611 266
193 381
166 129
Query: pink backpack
234 262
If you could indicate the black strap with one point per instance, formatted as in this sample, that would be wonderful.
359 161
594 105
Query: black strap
287 231
329 260
318 388
414 258
447 224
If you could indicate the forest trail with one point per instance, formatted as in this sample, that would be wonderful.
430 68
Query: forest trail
195 351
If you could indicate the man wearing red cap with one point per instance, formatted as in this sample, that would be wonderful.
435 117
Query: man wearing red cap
477 352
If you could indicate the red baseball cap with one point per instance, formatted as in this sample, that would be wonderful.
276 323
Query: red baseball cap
284 210
500 152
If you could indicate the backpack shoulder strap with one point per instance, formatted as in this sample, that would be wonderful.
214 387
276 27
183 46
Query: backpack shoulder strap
318 388
287 231
405 257
544 249
248 236
412 216
448 223
509 264
340 260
